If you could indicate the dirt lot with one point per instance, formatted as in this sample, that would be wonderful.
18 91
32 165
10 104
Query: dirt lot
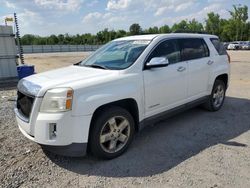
48 61
193 149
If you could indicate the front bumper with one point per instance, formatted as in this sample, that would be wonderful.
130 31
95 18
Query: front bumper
71 132
72 150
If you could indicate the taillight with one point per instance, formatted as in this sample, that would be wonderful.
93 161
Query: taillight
229 59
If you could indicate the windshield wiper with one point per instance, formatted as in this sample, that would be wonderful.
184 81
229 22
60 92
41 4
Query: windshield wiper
97 66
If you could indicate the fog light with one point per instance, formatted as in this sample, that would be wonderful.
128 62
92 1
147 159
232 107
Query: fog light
52 131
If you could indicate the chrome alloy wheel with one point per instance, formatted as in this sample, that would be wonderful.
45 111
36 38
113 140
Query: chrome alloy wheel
115 134
218 96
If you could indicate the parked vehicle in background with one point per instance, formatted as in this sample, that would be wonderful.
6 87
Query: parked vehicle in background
241 44
233 46
101 102
246 46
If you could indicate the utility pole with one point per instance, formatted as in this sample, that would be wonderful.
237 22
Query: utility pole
20 48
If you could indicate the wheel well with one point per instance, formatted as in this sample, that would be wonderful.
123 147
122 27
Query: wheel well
129 104
224 78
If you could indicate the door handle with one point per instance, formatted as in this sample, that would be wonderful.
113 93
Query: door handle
210 62
181 69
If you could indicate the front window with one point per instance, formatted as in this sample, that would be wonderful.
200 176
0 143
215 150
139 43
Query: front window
116 55
168 49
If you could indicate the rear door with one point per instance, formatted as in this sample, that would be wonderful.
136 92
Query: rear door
196 53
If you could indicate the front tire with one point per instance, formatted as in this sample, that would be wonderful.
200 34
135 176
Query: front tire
217 97
112 132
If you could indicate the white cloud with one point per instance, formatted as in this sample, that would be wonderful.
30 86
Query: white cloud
212 8
184 6
104 20
29 21
10 5
37 16
164 6
200 15
93 3
92 16
27 18
101 19
162 10
68 5
118 4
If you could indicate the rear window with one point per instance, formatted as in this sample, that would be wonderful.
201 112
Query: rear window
218 46
193 48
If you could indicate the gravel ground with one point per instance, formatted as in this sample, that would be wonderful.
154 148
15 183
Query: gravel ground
192 149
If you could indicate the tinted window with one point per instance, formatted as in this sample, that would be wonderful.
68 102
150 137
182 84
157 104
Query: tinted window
193 48
219 46
168 49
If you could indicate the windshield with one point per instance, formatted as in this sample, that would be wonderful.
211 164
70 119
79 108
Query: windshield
116 55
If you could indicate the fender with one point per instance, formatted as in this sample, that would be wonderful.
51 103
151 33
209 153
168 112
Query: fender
223 68
89 99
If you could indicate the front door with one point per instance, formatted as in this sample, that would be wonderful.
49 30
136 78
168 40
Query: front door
165 87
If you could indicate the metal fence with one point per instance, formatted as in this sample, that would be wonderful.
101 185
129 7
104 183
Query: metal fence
58 48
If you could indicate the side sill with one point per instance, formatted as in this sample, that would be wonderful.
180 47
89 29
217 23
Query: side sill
164 115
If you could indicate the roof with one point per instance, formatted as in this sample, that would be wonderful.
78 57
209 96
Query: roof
170 35
138 37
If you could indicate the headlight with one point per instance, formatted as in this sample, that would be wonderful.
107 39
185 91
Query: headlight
57 100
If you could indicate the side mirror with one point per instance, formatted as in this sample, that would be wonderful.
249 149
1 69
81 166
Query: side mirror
157 62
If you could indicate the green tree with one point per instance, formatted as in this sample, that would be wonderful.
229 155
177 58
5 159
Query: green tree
135 29
180 27
195 26
52 39
239 17
120 33
60 39
28 39
104 36
213 23
165 29
152 30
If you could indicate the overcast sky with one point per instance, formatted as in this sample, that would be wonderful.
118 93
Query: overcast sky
46 17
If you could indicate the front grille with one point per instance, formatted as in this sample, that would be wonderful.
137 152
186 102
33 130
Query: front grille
24 104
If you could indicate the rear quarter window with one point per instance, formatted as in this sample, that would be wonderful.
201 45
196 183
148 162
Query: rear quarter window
193 48
218 46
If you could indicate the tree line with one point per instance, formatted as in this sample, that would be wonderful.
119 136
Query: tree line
236 28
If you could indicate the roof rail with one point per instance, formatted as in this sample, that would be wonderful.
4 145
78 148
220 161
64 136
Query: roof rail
184 31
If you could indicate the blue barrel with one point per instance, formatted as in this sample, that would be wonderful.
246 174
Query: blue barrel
25 70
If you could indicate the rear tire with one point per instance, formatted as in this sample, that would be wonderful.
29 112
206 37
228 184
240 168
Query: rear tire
217 97
112 132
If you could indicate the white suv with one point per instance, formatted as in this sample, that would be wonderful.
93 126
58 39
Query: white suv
233 46
101 102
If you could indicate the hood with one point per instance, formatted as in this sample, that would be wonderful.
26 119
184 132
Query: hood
65 77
